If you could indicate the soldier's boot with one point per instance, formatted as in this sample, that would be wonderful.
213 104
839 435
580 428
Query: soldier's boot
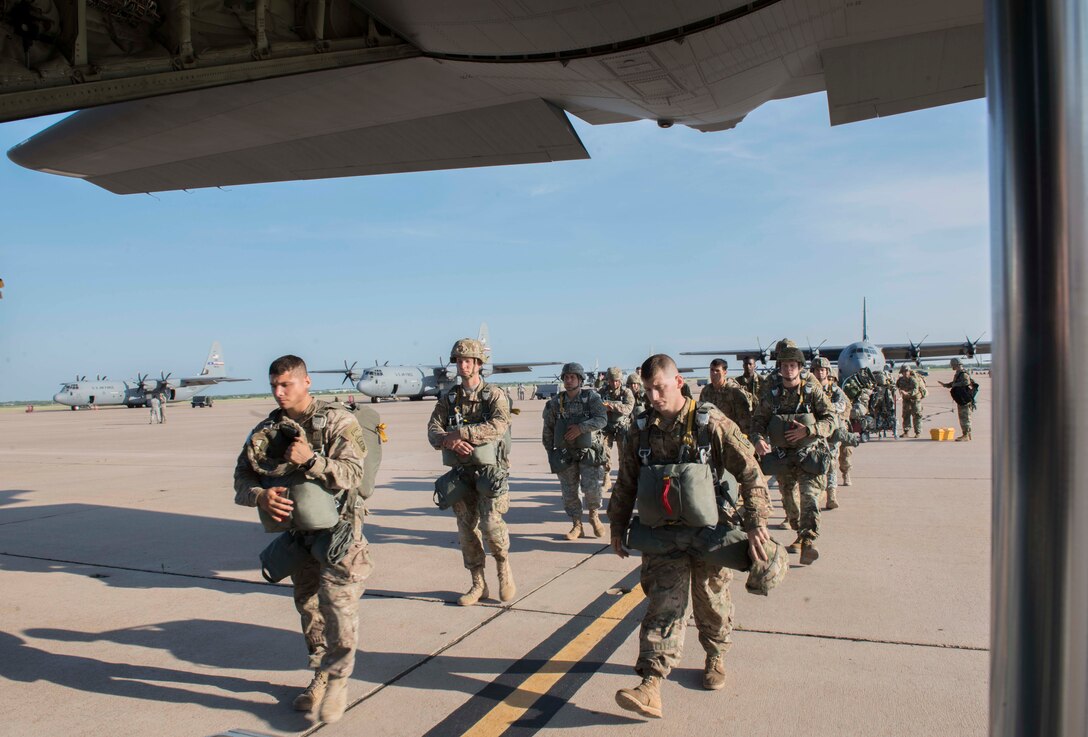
507 589
795 546
714 673
313 694
645 698
576 528
963 436
832 502
607 483
335 701
478 590
846 478
595 523
809 553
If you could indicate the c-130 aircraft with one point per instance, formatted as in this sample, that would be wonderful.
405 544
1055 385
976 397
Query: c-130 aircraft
419 381
138 393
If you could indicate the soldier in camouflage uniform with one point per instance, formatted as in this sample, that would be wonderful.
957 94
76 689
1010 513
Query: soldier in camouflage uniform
472 414
727 395
910 388
669 581
634 383
619 401
962 378
791 393
821 371
577 454
751 382
331 455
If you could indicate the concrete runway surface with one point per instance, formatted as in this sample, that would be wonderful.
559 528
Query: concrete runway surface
132 603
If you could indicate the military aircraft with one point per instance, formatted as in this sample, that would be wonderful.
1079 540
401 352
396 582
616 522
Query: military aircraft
138 392
864 354
336 88
419 381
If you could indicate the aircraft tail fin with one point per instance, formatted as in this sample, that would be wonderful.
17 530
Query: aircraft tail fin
214 366
864 320
485 337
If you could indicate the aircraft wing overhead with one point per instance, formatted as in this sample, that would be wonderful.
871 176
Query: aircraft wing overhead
934 350
519 368
206 380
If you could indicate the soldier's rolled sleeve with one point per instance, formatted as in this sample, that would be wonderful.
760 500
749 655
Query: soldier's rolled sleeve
738 457
342 465
436 427
247 484
622 503
488 432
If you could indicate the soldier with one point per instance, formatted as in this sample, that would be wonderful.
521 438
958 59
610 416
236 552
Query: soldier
156 409
911 389
619 401
727 395
963 392
795 415
470 424
162 406
670 580
821 371
750 381
327 451
634 383
573 420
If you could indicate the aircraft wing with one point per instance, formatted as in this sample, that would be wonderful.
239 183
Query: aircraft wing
205 380
222 97
519 368
908 352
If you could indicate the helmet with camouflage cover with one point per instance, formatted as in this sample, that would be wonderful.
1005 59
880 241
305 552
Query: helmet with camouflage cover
573 368
787 350
904 369
820 362
468 348
762 577
955 363
633 379
615 373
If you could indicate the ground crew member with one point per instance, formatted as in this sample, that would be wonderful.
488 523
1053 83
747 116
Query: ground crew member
821 371
328 451
962 379
912 391
573 420
471 422
156 409
727 395
796 410
619 401
669 580
162 406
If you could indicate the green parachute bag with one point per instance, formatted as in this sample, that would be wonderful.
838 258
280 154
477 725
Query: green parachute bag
451 487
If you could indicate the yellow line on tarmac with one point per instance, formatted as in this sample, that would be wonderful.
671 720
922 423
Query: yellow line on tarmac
519 701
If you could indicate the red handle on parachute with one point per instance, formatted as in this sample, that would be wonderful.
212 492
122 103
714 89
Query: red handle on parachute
665 495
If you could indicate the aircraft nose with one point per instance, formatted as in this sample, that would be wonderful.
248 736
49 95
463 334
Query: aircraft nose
58 397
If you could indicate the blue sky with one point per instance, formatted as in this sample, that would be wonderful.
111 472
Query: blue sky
666 240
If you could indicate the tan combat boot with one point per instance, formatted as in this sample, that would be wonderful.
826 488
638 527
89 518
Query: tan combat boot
576 528
846 478
478 590
607 482
507 589
595 523
645 698
809 553
313 694
832 502
795 546
714 673
335 701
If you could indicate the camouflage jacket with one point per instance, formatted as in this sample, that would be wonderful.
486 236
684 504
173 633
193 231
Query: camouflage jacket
753 385
619 403
836 397
729 450
962 378
340 454
805 397
563 406
733 402
910 386
485 414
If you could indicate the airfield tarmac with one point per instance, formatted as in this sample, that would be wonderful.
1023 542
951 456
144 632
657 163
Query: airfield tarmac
132 603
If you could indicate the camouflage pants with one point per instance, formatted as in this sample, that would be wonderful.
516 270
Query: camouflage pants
806 517
667 581
609 441
845 451
832 481
587 475
327 599
912 414
964 411
479 517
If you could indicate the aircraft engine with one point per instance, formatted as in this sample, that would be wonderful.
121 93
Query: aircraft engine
149 385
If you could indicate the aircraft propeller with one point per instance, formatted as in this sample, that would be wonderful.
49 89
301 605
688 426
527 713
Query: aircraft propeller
969 346
814 352
349 372
165 379
764 353
916 350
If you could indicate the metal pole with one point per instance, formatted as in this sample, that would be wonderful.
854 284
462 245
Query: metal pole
1036 65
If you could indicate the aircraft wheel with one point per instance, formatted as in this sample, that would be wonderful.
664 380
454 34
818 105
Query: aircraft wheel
416 398
373 400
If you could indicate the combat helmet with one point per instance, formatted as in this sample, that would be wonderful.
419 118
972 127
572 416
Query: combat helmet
573 368
955 363
762 577
820 362
633 379
468 348
787 350
615 373
904 369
